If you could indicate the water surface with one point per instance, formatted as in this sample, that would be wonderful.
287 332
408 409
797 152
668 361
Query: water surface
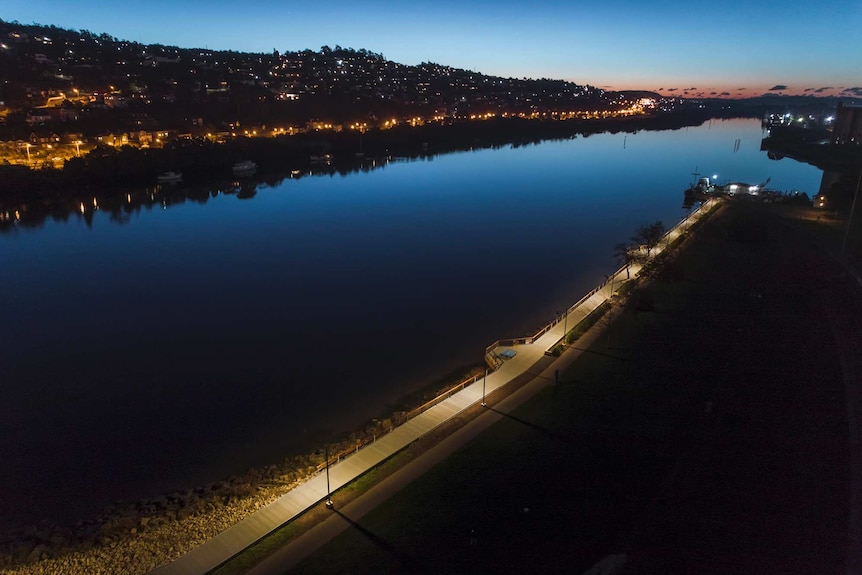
195 341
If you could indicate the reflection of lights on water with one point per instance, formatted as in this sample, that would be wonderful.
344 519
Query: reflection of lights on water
128 198
81 207
95 203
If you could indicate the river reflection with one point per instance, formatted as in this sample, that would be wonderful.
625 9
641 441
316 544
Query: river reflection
121 205
208 333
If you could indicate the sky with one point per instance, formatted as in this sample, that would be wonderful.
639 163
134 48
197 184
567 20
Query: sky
733 48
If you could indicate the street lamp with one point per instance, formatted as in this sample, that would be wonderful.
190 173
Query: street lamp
78 148
28 153
484 379
329 504
565 324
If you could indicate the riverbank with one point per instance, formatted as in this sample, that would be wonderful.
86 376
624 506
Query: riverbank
204 162
141 532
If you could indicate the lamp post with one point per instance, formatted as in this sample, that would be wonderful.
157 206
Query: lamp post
565 324
28 153
78 148
484 379
329 503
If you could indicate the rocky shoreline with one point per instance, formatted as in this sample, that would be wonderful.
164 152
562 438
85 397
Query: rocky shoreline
137 537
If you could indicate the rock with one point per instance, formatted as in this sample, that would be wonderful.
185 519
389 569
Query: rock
37 553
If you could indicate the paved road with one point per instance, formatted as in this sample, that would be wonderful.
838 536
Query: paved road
206 557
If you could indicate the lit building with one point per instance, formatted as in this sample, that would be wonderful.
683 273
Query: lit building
848 125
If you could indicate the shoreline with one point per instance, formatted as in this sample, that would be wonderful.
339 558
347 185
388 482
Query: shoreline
236 495
203 162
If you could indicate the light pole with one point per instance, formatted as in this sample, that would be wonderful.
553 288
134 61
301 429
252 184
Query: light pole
78 148
484 379
565 324
28 153
329 503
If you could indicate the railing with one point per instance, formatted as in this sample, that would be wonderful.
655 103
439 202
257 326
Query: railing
489 351
404 418
442 396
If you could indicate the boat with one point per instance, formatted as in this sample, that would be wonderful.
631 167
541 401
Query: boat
246 168
321 159
169 177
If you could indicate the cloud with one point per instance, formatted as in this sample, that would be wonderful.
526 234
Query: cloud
807 89
714 93
725 94
692 88
823 89
778 88
672 89
660 89
857 91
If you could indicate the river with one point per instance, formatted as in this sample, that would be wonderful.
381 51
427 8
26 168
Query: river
186 342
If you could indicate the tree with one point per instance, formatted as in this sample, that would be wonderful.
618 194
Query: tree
623 255
649 235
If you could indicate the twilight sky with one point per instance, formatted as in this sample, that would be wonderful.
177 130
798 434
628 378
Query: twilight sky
678 47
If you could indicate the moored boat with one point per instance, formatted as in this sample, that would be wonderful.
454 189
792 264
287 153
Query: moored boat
321 159
169 177
246 168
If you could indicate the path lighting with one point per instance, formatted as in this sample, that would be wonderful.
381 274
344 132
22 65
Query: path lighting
565 324
78 148
329 503
484 379
28 154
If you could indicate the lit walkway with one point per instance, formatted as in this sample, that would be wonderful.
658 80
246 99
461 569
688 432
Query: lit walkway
208 556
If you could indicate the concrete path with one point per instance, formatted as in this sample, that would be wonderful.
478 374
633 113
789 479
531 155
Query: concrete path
222 547
285 558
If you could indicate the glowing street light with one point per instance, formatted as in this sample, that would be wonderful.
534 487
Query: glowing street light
78 148
28 153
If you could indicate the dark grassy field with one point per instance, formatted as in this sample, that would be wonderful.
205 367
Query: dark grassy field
705 433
